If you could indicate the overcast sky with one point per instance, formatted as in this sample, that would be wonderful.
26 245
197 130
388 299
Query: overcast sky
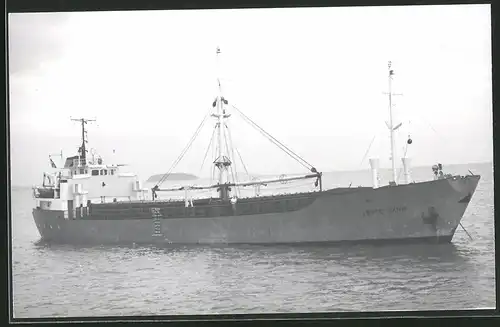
313 78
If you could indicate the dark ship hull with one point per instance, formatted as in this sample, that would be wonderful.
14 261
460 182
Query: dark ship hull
407 212
417 212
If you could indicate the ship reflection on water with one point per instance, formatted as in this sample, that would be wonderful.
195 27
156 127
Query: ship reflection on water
298 254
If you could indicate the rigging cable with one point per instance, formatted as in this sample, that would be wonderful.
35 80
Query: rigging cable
276 142
368 150
402 168
232 154
164 177
234 173
231 166
208 149
241 159
214 153
445 139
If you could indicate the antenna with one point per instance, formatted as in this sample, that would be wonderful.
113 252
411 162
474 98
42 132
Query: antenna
82 150
218 69
390 125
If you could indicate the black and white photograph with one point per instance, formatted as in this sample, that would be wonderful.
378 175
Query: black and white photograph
251 161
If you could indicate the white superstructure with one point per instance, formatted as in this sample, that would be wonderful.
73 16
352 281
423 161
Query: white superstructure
83 181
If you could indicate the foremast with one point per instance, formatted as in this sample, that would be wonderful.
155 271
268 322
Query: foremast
391 126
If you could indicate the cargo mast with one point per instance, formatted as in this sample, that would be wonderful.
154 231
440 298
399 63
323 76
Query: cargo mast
222 162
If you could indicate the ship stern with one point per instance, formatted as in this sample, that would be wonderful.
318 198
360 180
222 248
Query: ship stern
49 223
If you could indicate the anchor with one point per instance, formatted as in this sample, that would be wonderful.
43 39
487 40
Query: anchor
431 217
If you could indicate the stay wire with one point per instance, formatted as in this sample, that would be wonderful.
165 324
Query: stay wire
368 150
232 154
275 141
232 168
208 149
243 163
184 151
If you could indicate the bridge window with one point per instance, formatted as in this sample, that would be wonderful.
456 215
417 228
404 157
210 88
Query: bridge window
95 172
105 172
112 171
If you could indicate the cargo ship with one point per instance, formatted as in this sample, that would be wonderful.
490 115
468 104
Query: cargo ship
90 202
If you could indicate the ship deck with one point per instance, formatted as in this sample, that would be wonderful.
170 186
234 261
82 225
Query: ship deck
208 207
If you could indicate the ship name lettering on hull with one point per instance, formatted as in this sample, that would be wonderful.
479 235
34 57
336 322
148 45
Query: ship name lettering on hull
383 212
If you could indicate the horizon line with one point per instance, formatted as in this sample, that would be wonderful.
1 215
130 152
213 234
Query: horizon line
326 171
